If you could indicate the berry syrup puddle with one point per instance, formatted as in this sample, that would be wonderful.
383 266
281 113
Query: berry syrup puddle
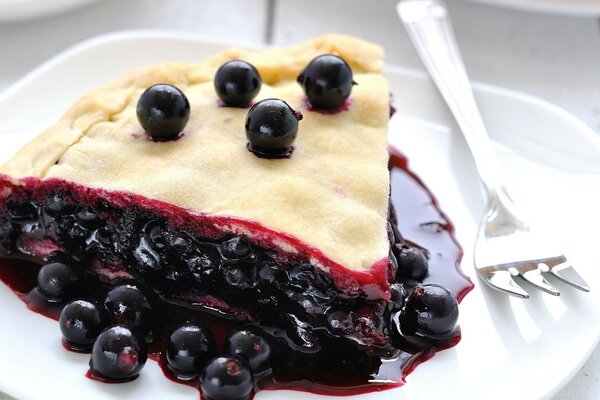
418 217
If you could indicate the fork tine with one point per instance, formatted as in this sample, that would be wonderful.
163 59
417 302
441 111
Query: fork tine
536 278
566 273
503 281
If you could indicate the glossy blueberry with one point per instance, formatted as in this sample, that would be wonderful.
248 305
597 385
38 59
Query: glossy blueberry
58 281
226 378
271 128
189 349
155 235
128 306
393 263
118 355
303 334
412 263
73 230
341 322
88 219
270 276
180 242
237 82
204 263
163 111
305 278
327 81
147 260
430 312
58 256
236 247
104 236
81 322
308 302
235 278
6 233
250 347
398 296
391 234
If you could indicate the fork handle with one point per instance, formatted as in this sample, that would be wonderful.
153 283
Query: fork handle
430 30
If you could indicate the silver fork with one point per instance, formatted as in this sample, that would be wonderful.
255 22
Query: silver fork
507 251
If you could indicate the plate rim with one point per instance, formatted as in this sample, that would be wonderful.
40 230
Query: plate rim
12 11
565 7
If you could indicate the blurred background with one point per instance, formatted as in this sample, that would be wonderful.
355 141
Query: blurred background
546 48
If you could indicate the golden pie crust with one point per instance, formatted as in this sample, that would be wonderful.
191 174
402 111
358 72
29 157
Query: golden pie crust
332 194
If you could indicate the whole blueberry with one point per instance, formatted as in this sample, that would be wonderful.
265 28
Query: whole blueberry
250 347
81 322
430 312
128 306
189 348
163 111
237 82
226 378
58 281
412 263
271 128
118 354
327 81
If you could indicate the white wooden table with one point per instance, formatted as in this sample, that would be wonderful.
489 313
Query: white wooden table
553 57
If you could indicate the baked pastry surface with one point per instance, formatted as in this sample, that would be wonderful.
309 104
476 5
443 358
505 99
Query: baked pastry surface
332 194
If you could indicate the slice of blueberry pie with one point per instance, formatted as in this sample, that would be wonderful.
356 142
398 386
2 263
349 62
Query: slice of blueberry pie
232 216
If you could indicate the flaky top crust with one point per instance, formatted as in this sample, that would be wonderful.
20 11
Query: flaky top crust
331 194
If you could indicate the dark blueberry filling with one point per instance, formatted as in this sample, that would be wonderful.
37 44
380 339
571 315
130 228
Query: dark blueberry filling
308 331
179 265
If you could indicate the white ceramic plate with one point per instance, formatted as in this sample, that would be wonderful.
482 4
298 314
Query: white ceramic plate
13 10
510 348
573 7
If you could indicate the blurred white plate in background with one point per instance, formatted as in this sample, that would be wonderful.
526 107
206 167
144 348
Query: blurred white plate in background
588 8
14 10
